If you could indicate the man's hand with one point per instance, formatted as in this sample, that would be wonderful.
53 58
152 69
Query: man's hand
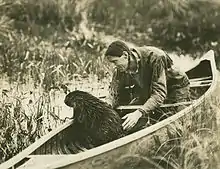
131 119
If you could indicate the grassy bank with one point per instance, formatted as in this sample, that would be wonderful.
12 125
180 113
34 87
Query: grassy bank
52 41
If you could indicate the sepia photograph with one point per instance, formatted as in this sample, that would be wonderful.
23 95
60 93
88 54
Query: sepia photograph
109 84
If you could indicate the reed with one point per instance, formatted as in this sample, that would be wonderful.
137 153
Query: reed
26 115
48 65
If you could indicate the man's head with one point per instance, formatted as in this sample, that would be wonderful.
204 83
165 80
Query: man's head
119 53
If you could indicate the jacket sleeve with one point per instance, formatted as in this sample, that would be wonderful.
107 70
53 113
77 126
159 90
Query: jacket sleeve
158 85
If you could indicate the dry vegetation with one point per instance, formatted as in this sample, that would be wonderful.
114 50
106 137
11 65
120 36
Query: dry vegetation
192 144
50 47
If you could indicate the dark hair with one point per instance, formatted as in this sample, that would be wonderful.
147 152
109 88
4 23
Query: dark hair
116 48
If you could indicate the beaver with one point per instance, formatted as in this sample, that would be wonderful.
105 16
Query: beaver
95 122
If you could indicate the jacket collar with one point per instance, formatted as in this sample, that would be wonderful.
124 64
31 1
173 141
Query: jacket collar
140 63
139 57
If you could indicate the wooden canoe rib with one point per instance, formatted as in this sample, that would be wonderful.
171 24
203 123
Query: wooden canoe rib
51 151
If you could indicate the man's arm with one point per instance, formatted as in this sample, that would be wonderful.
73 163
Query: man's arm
158 91
158 94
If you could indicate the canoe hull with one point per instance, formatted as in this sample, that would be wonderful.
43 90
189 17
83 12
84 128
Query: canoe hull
156 141
161 139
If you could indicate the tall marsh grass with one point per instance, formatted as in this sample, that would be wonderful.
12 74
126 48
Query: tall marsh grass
25 116
47 64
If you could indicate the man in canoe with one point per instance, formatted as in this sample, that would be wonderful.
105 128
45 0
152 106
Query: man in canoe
144 76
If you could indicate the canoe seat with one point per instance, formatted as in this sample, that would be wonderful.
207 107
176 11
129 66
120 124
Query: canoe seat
200 82
201 78
133 107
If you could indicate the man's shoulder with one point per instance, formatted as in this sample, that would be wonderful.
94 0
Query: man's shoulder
153 49
151 53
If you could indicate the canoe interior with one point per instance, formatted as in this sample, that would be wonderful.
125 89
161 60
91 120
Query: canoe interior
200 79
204 69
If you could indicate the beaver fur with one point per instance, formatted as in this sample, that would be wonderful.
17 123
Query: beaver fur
95 122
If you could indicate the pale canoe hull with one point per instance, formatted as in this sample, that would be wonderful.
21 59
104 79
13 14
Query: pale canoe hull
146 142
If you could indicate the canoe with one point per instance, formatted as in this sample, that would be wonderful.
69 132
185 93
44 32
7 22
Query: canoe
51 150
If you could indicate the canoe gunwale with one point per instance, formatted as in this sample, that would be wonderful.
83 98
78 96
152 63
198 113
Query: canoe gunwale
144 132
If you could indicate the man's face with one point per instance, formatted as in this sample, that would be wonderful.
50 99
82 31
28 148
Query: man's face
120 62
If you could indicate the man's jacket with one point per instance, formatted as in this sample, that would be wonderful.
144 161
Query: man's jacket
156 81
